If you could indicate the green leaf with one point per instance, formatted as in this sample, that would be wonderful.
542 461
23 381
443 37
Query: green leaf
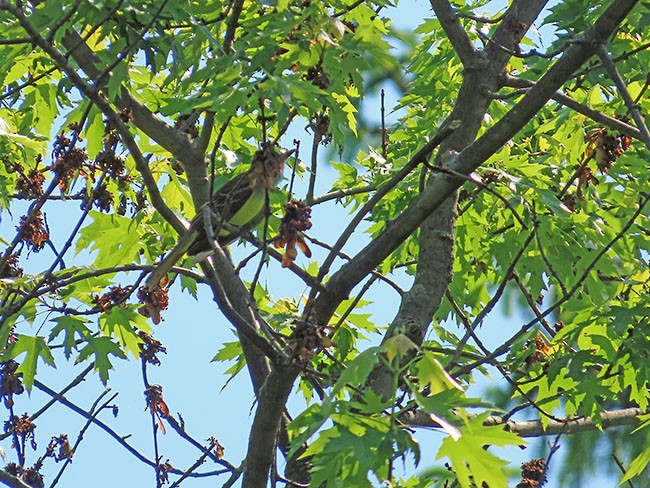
34 347
472 464
432 374
101 348
121 324
637 466
358 369
115 238
74 328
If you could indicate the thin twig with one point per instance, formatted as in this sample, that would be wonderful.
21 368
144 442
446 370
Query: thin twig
625 94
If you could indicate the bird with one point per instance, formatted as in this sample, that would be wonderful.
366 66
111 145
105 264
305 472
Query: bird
240 202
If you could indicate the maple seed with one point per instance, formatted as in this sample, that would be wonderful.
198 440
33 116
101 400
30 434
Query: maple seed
32 231
296 220
149 348
156 404
154 301
308 339
10 383
533 474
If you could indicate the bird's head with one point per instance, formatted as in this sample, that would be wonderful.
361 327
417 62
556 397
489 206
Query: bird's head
267 166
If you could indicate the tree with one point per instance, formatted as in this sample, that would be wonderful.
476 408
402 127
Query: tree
514 174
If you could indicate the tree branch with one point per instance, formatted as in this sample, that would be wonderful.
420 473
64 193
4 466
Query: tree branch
581 108
261 444
625 94
13 481
455 31
535 428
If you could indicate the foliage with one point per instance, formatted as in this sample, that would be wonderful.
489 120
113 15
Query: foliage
513 173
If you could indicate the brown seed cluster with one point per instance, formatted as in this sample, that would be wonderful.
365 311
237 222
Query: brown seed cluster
10 383
63 446
10 268
309 339
155 301
115 296
296 220
32 231
149 348
533 474
30 476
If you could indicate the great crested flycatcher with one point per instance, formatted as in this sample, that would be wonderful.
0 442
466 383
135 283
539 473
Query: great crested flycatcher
240 202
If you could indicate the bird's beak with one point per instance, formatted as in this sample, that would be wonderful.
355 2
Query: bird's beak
286 154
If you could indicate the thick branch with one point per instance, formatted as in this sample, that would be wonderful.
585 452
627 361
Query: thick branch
535 428
261 444
625 94
454 30
516 22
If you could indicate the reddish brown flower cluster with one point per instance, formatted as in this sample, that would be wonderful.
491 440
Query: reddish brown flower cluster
156 404
219 449
32 231
69 160
296 220
604 148
23 428
533 474
115 296
155 301
163 472
30 184
149 348
65 451
102 198
308 339
10 383
111 164
30 475
10 268
540 351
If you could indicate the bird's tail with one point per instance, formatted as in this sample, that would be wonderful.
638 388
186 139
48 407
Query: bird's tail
172 258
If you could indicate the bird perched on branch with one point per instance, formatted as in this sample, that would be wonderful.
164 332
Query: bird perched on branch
240 202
